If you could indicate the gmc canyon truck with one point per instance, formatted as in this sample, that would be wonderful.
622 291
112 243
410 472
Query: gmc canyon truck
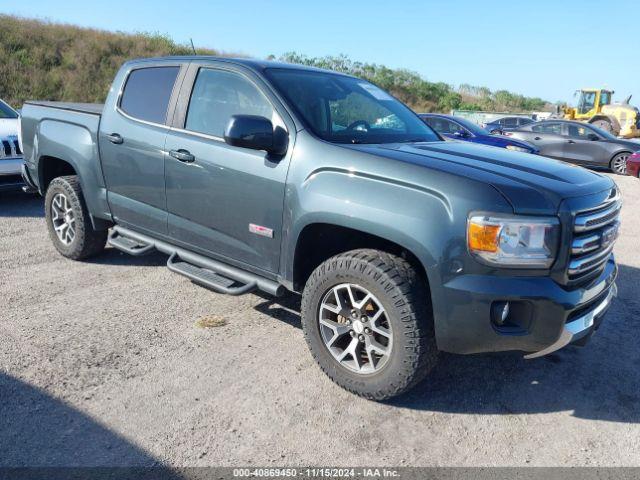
258 175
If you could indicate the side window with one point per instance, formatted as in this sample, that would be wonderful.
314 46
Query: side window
587 102
510 122
452 127
218 95
578 131
147 93
436 124
551 127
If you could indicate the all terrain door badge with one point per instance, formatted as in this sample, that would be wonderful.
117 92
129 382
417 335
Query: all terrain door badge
260 230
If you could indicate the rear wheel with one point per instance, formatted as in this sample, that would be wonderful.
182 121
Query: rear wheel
68 220
367 319
604 124
619 163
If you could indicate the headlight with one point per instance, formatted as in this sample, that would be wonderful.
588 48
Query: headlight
512 240
515 148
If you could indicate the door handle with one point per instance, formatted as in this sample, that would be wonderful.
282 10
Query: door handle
115 138
182 155
536 138
570 141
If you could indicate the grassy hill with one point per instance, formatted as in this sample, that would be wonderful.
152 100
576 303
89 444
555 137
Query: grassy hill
48 61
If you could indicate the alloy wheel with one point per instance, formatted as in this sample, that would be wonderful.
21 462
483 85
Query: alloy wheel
619 164
63 219
355 328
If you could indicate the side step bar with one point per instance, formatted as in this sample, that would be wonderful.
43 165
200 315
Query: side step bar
217 276
208 278
129 245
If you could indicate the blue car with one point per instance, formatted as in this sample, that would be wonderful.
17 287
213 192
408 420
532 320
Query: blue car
457 128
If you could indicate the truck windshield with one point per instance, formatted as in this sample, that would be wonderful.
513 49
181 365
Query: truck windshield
6 111
343 109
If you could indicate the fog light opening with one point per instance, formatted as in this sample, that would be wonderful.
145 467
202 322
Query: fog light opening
500 313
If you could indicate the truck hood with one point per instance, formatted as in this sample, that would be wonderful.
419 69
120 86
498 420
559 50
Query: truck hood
531 183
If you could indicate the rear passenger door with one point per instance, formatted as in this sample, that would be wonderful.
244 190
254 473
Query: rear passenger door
547 136
131 142
226 202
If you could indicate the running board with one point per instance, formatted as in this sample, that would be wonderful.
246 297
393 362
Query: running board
128 245
208 278
217 276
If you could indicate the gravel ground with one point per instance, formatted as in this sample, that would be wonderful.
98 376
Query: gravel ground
116 362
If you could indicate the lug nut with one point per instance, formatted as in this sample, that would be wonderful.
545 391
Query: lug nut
367 331
364 319
361 338
354 314
352 333
348 322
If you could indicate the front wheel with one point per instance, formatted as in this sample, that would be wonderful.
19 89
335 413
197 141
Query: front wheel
619 163
68 220
367 319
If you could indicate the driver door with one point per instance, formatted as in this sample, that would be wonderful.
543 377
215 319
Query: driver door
583 145
224 201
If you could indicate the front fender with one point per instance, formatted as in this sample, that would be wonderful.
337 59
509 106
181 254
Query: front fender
421 209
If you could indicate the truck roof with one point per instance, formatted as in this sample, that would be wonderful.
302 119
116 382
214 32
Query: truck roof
254 64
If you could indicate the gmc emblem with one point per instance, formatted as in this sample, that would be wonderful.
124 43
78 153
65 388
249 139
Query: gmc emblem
609 235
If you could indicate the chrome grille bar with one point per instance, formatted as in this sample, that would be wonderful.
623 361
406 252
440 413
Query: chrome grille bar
585 244
588 263
593 220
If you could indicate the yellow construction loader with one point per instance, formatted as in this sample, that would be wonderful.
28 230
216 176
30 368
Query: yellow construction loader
595 107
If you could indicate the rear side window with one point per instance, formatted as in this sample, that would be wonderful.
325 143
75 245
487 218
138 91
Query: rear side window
555 128
217 96
147 92
510 122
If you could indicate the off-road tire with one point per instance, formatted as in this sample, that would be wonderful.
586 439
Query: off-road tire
406 299
87 242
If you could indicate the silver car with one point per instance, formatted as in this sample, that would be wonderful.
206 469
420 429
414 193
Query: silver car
10 154
577 142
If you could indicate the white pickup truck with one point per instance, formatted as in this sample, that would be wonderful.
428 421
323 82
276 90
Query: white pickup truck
10 152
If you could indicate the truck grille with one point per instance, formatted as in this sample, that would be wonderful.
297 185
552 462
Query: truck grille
594 234
10 149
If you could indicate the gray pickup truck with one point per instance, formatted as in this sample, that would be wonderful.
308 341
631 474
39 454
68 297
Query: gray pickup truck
258 175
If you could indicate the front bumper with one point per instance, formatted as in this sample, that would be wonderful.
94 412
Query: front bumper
549 315
580 328
11 167
10 172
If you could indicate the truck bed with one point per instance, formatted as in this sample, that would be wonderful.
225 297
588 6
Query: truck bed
90 108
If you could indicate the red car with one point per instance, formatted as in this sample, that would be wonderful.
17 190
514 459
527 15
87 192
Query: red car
633 165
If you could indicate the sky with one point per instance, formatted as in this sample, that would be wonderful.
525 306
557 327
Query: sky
540 48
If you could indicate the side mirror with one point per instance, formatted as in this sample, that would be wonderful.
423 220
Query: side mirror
593 136
460 134
257 133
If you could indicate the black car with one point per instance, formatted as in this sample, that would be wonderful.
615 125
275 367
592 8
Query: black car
496 126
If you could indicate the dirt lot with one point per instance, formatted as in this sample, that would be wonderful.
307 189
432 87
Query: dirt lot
108 363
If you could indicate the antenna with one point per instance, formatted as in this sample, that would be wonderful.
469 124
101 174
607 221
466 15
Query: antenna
192 47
